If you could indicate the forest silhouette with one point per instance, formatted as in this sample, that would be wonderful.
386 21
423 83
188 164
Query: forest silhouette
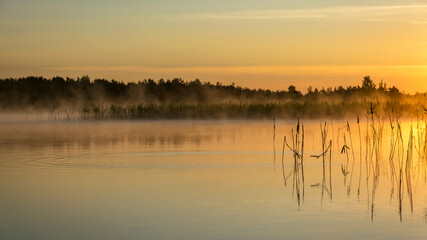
176 98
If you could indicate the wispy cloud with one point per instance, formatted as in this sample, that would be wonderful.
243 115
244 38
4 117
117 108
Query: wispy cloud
416 13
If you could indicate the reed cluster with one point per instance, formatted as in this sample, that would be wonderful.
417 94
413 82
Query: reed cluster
404 164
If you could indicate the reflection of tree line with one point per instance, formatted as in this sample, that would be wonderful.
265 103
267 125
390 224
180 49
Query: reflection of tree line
402 168
148 99
88 141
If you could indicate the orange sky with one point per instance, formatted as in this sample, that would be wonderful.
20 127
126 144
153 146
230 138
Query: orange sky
269 44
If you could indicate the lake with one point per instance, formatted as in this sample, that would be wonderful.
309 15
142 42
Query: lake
206 179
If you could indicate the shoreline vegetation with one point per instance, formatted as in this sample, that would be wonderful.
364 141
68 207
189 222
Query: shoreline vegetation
82 98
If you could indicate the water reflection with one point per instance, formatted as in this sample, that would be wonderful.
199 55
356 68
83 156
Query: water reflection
89 135
212 180
401 164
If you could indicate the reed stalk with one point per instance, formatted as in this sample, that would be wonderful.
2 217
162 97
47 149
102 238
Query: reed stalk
354 159
408 168
302 162
274 142
360 158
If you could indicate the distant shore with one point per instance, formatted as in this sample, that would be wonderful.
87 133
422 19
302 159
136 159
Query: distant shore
62 99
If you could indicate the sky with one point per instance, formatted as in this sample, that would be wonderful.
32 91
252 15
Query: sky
258 44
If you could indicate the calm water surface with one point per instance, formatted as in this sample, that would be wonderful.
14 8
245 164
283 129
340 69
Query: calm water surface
193 180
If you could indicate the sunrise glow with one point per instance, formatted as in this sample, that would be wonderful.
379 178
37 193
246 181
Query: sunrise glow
257 44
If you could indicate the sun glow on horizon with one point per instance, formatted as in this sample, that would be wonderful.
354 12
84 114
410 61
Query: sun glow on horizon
272 44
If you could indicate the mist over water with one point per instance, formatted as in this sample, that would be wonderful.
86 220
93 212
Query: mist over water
69 99
198 180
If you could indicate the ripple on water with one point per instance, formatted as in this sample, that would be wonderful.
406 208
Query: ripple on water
172 160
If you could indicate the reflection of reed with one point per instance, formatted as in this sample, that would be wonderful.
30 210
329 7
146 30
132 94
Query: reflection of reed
408 169
323 133
302 161
374 188
354 159
298 165
344 168
330 169
421 147
366 159
274 142
402 169
283 164
393 142
400 160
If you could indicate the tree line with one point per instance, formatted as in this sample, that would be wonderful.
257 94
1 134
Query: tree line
92 97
